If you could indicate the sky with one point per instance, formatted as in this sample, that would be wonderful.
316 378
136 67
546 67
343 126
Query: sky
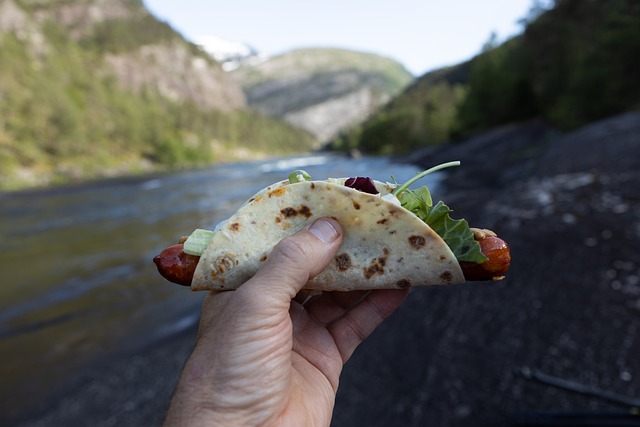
421 34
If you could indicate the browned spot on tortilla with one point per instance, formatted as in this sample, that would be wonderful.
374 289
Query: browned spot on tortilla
403 283
258 198
277 192
356 205
376 266
343 262
278 220
374 269
263 259
394 212
235 226
214 275
383 221
442 257
222 265
288 212
313 185
447 276
304 210
417 242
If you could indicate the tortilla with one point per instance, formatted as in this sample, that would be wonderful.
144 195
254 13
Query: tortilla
385 246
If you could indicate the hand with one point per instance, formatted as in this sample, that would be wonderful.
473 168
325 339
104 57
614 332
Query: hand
262 358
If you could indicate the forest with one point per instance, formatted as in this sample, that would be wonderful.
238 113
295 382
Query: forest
573 64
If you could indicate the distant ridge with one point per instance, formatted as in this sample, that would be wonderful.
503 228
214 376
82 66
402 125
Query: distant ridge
322 90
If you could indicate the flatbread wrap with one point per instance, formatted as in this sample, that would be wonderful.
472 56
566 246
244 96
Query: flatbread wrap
386 242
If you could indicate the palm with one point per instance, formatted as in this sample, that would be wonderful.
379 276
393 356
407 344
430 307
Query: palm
315 368
325 333
296 356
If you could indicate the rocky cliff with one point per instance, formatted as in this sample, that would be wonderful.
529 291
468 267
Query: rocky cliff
176 73
167 64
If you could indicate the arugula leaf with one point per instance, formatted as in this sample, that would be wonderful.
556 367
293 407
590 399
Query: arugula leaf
417 201
456 233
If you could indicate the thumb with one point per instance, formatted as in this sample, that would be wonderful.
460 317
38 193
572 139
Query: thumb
295 260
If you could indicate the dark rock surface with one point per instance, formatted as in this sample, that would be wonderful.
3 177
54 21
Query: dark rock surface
570 208
458 356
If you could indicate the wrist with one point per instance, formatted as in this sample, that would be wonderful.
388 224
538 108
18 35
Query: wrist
194 404
187 411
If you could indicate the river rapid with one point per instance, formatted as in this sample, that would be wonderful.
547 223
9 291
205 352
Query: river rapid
78 283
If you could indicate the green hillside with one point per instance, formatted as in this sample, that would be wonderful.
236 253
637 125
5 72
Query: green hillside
573 64
65 114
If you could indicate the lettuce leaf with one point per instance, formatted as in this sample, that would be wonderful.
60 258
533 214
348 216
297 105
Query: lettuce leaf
456 233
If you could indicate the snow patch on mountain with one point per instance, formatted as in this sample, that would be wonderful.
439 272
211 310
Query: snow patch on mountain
230 54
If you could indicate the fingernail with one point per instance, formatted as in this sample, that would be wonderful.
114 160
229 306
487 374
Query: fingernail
324 230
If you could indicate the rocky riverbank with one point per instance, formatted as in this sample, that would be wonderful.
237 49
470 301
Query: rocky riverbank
483 354
480 354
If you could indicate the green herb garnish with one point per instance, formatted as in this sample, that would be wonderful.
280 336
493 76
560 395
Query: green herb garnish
456 233
404 187
295 176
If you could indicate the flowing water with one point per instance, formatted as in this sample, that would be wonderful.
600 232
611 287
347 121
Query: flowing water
77 279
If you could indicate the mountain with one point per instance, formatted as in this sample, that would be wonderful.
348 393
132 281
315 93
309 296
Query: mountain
322 90
151 56
573 64
92 88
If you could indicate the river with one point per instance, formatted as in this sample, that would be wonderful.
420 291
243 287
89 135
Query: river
78 282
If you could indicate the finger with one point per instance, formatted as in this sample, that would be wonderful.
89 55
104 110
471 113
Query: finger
359 322
294 261
330 306
305 295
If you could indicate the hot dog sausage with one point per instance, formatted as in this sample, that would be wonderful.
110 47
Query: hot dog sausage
175 265
496 267
178 267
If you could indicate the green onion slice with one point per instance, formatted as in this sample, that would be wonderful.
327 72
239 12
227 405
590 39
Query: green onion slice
198 241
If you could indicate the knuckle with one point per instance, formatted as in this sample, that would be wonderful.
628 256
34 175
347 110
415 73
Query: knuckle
293 249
